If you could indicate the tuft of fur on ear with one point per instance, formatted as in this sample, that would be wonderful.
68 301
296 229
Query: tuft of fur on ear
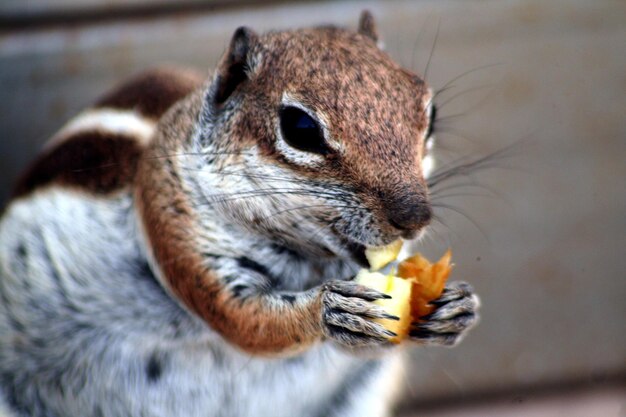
367 26
231 71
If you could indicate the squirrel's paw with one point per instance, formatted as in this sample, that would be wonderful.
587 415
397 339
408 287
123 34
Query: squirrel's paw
456 312
347 315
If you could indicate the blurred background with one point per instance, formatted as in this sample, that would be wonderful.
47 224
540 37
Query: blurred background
540 233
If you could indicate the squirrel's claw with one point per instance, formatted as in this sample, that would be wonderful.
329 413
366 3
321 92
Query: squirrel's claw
455 314
347 315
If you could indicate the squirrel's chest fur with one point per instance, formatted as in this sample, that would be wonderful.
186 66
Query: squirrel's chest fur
87 330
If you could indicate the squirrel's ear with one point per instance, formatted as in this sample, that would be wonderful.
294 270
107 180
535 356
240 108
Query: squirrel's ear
231 70
367 26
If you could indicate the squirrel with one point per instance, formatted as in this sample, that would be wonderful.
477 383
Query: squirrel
187 248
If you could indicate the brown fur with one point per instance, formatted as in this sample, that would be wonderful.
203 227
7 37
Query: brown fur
102 162
152 92
258 325
360 91
95 161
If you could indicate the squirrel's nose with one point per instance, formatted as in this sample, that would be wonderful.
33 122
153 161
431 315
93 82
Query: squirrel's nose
409 215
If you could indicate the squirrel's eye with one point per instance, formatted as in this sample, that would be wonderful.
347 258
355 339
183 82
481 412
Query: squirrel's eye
431 122
301 131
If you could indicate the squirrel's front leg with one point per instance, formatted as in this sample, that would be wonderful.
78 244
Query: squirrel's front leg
236 301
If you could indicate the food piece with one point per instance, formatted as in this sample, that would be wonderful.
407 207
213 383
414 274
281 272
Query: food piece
428 281
398 305
379 256
417 284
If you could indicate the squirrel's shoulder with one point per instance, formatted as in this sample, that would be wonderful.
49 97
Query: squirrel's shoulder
97 150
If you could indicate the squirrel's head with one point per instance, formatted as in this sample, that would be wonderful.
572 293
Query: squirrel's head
320 137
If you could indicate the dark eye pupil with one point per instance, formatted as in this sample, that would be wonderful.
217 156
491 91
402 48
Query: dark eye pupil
301 131
305 122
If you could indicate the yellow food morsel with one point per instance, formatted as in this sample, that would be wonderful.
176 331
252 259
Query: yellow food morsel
379 256
417 284
398 305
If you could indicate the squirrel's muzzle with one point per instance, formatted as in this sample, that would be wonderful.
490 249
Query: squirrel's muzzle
408 213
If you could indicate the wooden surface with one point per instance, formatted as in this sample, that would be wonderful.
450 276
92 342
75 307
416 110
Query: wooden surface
544 243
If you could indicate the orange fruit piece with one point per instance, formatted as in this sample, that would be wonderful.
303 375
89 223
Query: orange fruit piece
417 283
428 280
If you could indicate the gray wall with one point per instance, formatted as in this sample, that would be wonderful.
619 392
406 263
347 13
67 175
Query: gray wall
541 235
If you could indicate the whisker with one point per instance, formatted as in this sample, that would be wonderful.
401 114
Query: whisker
145 158
437 93
452 116
236 152
449 130
466 194
466 73
443 239
273 190
461 213
419 36
432 49
442 104
318 232
211 200
463 168
325 185
287 210
464 185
